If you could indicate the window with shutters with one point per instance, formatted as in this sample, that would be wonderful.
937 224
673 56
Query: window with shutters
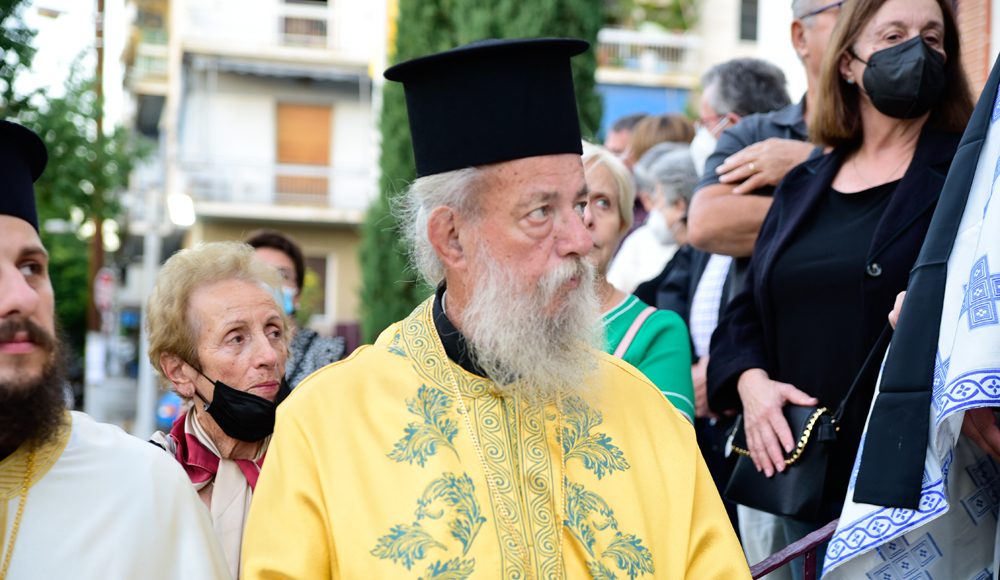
303 171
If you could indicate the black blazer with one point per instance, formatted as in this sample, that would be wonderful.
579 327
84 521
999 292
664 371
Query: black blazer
744 338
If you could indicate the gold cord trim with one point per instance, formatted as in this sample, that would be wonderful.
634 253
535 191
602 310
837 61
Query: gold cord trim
800 447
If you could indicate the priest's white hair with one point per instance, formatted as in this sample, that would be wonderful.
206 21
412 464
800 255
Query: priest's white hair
455 189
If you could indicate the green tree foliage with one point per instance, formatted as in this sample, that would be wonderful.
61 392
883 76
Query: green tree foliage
390 288
16 52
83 178
676 15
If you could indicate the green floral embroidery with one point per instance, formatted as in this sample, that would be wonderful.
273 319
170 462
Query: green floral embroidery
581 505
455 569
595 450
599 571
394 347
587 514
422 439
456 492
630 555
405 544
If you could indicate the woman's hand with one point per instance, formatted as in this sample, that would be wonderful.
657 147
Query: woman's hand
896 309
766 429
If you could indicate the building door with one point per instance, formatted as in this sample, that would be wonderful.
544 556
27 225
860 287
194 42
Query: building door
303 172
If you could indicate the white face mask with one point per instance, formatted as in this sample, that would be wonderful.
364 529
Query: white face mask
702 147
658 227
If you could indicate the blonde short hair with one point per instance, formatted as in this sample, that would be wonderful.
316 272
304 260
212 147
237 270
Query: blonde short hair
170 328
595 155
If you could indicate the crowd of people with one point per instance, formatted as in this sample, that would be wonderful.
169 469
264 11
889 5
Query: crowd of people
652 357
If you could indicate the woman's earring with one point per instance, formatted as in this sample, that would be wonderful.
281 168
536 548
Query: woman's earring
850 80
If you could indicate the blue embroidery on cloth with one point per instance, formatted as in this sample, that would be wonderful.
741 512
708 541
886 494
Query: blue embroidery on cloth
407 544
587 514
981 295
875 528
996 108
984 500
903 561
972 389
940 376
421 440
595 450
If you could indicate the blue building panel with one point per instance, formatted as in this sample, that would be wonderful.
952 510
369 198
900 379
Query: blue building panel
621 100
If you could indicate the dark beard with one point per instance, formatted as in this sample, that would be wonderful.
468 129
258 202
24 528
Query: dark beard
33 411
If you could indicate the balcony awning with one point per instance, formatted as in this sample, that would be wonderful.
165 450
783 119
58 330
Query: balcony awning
248 66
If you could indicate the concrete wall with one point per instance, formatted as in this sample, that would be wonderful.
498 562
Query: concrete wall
719 28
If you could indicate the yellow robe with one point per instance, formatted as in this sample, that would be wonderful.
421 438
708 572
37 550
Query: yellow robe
372 473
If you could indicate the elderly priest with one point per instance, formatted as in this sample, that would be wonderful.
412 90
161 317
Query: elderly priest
486 435
78 499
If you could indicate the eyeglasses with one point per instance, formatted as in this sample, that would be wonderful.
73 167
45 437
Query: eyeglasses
822 9
714 123
709 122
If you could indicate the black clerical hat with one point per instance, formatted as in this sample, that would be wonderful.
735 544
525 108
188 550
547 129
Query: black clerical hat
491 101
22 160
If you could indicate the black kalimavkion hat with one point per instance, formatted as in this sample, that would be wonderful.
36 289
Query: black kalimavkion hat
22 160
491 101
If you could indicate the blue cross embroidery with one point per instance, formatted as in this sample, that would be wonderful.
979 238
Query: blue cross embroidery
940 375
984 501
903 560
981 295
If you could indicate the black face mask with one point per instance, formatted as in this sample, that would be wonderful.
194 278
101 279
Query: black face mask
905 81
241 415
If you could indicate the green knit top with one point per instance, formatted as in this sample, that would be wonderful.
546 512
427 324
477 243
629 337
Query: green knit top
661 350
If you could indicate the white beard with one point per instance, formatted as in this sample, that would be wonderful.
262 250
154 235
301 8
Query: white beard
527 350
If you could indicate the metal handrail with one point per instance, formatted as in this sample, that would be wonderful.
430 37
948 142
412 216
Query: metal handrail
806 546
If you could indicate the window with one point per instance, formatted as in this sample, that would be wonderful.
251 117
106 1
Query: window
748 19
299 31
303 153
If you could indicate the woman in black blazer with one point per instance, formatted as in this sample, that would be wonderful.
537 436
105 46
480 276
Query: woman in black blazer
844 230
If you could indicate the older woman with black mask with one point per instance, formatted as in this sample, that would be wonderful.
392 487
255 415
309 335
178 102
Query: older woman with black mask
838 245
218 335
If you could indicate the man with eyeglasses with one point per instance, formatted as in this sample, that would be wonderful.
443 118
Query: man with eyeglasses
723 221
756 155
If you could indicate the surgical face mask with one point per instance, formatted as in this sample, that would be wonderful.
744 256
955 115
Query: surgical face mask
240 415
288 300
659 228
702 147
905 81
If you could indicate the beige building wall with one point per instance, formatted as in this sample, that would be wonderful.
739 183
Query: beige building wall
338 244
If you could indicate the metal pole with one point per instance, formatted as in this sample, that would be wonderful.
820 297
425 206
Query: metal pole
145 401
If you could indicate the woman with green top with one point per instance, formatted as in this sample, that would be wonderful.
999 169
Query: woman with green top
654 341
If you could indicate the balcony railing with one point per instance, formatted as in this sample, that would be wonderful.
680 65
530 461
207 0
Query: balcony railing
279 184
647 52
275 28
149 61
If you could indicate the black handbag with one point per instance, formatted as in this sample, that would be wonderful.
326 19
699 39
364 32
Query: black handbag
800 490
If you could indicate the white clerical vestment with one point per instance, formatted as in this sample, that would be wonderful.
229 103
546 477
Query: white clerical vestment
104 505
